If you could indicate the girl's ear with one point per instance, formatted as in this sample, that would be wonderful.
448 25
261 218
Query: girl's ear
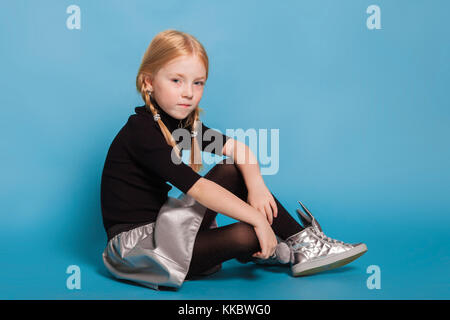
148 82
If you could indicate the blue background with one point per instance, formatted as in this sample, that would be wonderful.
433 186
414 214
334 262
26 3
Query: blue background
364 136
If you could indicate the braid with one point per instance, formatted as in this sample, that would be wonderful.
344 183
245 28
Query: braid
196 162
166 133
192 121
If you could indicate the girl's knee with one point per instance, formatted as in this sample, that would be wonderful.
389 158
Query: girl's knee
245 237
224 169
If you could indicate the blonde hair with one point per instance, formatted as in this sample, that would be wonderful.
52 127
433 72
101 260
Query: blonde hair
166 46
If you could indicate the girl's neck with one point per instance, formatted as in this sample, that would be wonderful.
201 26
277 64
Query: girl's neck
170 122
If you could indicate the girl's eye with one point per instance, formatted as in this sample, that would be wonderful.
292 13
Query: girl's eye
201 83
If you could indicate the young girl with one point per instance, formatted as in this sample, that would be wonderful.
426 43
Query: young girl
160 241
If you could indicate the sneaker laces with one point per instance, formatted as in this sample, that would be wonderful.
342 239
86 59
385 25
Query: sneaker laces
326 238
309 220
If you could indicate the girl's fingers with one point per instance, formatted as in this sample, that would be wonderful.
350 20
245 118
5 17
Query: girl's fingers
261 209
275 208
261 254
257 254
266 210
268 213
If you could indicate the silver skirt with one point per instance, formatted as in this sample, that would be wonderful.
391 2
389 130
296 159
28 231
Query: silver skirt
158 253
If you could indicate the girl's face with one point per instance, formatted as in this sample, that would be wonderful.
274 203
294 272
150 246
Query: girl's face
178 86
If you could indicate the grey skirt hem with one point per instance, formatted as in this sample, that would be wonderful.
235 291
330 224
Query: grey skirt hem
159 253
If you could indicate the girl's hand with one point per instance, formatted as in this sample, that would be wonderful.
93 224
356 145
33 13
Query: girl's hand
267 240
260 198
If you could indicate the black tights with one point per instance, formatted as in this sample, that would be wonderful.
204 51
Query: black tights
236 240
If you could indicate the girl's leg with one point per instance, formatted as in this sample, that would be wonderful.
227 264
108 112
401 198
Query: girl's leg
237 240
214 246
228 176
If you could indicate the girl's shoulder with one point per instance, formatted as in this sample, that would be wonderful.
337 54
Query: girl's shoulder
142 129
141 120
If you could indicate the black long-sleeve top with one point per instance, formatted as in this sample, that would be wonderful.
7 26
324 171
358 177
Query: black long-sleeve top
137 168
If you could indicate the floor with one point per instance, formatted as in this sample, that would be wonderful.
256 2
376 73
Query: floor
412 266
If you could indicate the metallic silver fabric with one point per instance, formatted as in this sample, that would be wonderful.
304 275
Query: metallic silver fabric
307 245
159 253
312 249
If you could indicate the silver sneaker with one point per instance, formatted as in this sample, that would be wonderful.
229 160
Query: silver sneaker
312 251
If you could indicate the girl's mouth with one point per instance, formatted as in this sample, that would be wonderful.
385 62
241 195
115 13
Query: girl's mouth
185 105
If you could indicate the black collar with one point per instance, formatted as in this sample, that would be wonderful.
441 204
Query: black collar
170 122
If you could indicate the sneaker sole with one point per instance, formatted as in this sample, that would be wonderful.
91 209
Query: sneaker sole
328 263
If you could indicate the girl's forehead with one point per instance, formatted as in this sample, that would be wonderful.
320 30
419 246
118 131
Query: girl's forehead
186 64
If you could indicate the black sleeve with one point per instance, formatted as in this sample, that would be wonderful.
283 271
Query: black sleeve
151 151
214 139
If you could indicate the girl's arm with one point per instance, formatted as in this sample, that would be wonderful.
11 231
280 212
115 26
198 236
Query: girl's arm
147 147
259 196
246 161
217 198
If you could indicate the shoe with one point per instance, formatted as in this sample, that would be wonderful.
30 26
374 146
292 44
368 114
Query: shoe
312 251
309 220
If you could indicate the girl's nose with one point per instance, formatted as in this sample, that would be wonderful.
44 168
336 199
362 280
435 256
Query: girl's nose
187 91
